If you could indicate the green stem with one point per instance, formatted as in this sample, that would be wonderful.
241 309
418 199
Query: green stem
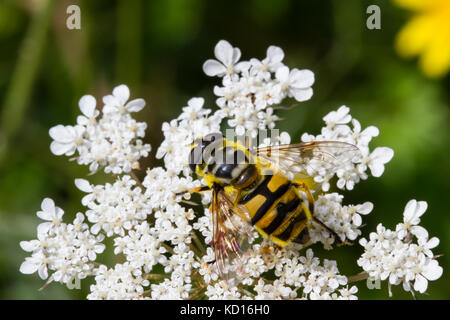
156 276
138 181
168 248
198 243
197 293
24 75
358 277
196 251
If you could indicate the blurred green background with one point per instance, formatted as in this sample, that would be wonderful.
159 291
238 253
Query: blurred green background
157 48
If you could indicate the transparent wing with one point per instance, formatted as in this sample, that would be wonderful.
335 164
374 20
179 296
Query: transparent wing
230 235
308 157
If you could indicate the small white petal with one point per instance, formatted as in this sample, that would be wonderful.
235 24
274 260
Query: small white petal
224 52
242 66
110 108
376 169
410 210
382 154
59 149
110 100
236 55
419 232
48 205
29 246
365 208
356 219
28 267
122 93
196 103
213 68
371 131
414 210
422 206
282 73
60 133
420 284
42 271
135 105
275 54
302 94
432 270
83 185
433 243
87 105
43 228
301 78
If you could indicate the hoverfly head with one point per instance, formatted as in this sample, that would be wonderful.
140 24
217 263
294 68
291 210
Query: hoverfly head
198 154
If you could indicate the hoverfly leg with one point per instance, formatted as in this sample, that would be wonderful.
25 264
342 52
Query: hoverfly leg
303 238
305 188
340 242
194 190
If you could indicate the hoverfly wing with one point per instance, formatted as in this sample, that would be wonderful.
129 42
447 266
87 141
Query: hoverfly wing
230 235
308 157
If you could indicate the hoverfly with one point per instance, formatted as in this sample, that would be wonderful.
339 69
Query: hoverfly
253 185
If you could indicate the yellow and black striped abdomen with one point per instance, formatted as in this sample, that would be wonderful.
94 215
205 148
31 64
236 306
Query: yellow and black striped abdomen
276 209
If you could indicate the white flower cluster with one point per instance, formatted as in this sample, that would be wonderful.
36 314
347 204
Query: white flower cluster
113 141
122 282
68 249
192 123
114 208
298 277
164 248
402 256
348 172
344 220
317 282
250 89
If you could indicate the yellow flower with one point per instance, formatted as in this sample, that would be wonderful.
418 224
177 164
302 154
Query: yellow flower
427 34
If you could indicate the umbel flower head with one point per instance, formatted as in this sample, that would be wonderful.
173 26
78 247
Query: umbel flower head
393 255
164 243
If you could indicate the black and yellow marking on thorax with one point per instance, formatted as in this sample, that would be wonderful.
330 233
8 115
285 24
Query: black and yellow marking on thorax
228 163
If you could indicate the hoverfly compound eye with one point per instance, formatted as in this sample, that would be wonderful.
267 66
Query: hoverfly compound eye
198 148
212 137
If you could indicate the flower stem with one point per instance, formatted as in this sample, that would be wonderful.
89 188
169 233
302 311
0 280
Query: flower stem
24 75
196 251
196 293
358 277
198 243
138 181
156 276
167 247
